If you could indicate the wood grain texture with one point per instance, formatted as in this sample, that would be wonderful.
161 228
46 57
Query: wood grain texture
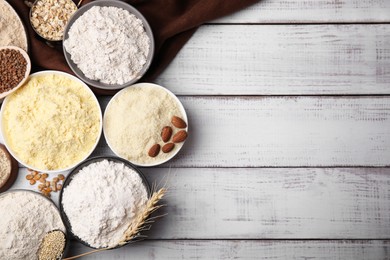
312 11
282 60
274 203
283 132
233 249
242 203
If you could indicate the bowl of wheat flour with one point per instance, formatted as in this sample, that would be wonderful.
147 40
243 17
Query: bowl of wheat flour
108 44
12 29
26 218
113 193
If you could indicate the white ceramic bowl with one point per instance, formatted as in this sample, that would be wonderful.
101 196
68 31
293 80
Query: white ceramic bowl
180 107
6 143
53 207
28 69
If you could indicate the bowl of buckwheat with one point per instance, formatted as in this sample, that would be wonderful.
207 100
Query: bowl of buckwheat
48 18
15 66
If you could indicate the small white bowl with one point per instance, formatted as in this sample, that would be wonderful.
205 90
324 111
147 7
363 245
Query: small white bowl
7 145
183 113
28 69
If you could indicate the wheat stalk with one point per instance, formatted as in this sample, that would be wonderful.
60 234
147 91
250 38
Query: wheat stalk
137 225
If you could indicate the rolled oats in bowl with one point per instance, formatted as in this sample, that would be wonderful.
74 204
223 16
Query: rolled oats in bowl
49 17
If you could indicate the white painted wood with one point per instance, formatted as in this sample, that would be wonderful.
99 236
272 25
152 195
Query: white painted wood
267 203
282 60
283 132
22 183
274 203
312 11
233 249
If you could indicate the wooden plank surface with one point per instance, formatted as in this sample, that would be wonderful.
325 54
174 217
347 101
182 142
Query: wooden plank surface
283 132
222 203
233 249
283 60
267 203
312 11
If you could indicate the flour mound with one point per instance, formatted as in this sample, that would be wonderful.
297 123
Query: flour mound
108 44
101 210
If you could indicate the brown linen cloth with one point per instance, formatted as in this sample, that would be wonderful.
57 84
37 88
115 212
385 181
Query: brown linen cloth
172 21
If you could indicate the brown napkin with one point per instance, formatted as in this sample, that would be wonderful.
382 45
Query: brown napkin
172 21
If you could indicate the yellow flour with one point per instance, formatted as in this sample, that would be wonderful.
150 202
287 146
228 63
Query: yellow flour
51 122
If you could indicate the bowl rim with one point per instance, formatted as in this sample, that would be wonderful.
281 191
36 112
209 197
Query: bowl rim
109 3
5 139
26 74
13 175
76 170
66 233
181 108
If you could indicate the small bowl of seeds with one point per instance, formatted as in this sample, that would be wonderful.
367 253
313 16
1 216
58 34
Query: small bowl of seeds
48 18
15 66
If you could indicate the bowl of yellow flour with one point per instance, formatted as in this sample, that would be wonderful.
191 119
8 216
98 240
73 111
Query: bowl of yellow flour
52 123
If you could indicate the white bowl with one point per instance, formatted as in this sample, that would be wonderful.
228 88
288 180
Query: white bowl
28 69
183 113
6 143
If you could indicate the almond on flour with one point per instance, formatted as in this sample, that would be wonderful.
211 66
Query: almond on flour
178 122
166 133
168 147
180 136
154 150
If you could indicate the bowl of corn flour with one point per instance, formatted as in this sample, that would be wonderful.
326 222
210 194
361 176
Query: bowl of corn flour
108 44
99 215
145 124
51 123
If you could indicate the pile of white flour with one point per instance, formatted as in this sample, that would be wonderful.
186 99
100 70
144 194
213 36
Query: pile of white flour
101 201
108 44
25 219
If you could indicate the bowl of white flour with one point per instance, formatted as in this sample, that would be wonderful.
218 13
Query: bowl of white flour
26 217
108 44
100 198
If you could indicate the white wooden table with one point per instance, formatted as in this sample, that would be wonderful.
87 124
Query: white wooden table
289 149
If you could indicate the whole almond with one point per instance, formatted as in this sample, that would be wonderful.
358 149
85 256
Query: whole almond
154 150
168 147
179 136
166 133
178 122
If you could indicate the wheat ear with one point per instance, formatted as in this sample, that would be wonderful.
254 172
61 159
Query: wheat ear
139 223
